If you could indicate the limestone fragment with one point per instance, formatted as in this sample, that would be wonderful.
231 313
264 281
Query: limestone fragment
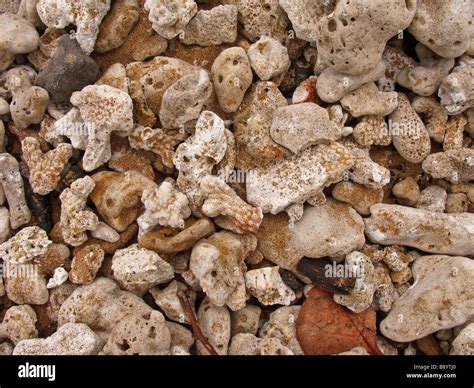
454 137
439 233
364 170
246 320
138 269
139 334
215 325
117 25
303 15
432 198
360 297
149 81
85 264
195 158
352 38
372 130
87 17
463 343
213 27
29 102
456 166
169 240
457 203
159 141
60 276
443 287
252 125
268 287
299 126
361 198
406 191
27 244
232 76
218 264
168 301
164 206
269 187
425 78
183 101
117 196
442 26
410 137
435 117
101 305
76 219
261 17
456 90
333 85
170 17
17 36
19 324
70 339
368 100
396 61
268 58
104 109
282 325
4 224
221 200
44 168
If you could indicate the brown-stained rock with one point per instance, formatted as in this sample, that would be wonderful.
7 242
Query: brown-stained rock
56 256
323 327
117 196
171 240
110 247
86 264
117 25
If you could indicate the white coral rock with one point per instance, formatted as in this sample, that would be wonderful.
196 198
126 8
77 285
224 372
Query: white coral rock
268 287
165 206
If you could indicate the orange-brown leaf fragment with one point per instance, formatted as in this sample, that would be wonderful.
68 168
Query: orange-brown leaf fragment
324 327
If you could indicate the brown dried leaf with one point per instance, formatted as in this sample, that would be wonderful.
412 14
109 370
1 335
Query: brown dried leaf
325 327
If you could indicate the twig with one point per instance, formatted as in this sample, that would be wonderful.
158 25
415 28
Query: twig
198 334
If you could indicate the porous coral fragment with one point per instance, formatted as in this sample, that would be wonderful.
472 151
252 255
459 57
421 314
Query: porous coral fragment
76 219
44 168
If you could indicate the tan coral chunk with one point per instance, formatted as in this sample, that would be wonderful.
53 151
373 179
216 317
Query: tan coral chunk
104 109
86 15
232 76
19 324
443 26
164 206
456 166
425 78
221 200
117 196
299 126
13 191
45 169
410 137
75 218
435 118
86 264
368 100
212 27
421 229
218 263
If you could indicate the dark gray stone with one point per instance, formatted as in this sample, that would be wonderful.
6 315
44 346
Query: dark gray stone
68 71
